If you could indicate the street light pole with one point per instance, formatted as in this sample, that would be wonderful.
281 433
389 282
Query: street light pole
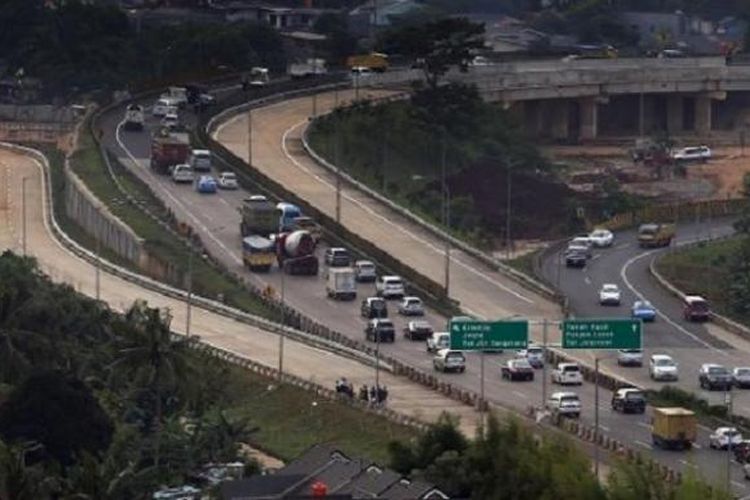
544 363
97 265
283 318
508 240
728 402
337 161
596 417
446 215
190 288
249 137
377 358
23 214
314 105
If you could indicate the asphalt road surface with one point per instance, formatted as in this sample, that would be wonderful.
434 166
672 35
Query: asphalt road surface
216 219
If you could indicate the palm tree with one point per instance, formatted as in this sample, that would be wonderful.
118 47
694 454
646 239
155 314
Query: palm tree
152 355
19 481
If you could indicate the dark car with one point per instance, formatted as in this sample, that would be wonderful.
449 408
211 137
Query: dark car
418 330
380 330
374 307
629 400
742 451
575 259
714 377
517 369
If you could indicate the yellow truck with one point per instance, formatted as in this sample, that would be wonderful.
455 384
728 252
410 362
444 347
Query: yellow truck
673 428
655 235
258 253
374 62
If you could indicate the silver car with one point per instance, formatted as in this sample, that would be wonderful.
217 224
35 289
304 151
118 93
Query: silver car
741 377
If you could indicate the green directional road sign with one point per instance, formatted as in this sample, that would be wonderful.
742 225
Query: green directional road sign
609 333
489 335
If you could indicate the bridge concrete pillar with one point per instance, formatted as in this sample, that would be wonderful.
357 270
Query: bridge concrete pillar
674 113
589 111
559 118
703 114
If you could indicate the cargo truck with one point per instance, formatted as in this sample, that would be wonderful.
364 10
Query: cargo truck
374 62
259 216
655 235
341 284
169 149
258 253
673 428
295 253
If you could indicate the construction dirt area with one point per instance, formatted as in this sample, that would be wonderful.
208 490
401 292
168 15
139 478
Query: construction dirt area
589 166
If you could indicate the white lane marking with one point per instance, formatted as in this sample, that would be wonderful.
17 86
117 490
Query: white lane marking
697 446
676 326
644 424
390 222
225 202
604 428
622 245
587 280
704 428
155 182
520 394
641 443
596 256
687 464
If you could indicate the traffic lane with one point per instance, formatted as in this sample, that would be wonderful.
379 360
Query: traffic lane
487 293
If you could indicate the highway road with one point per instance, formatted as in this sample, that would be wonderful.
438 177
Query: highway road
216 220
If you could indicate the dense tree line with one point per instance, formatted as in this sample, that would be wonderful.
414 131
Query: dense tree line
97 404
73 44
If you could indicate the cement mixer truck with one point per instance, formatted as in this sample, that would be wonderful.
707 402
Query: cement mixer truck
295 253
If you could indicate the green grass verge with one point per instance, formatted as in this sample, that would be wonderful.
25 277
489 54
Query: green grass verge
208 281
525 263
291 420
703 269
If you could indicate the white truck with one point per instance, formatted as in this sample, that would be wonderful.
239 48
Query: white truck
307 69
178 95
341 283
133 118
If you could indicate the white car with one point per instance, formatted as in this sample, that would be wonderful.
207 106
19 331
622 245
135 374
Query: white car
228 180
170 121
164 106
741 377
724 437
565 403
411 306
390 287
534 354
365 271
609 295
662 367
699 153
630 357
449 361
602 238
182 173
438 341
567 374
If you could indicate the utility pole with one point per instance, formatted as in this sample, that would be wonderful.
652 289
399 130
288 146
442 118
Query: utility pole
23 214
508 240
337 161
446 214
249 137
314 105
283 317
728 402
97 265
377 358
596 417
190 288
544 364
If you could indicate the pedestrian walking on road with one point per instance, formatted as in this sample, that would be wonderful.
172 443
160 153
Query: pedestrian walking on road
373 395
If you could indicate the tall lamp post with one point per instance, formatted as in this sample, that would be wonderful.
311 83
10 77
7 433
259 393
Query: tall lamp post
446 211
23 214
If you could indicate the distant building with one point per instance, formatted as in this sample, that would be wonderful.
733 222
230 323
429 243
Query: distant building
281 18
323 467
378 14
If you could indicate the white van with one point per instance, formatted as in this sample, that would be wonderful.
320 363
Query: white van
200 160
390 287
164 106
182 173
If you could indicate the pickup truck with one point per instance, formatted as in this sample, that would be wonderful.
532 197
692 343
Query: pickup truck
567 374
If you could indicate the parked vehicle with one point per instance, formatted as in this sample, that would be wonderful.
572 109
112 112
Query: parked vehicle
418 330
374 62
365 271
258 253
341 284
307 69
714 377
438 341
447 360
390 287
695 308
228 180
575 258
629 400
673 428
741 377
295 253
168 149
655 235
134 118
182 173
567 374
411 306
662 367
517 369
724 438
630 357
308 224
374 307
259 216
602 238
337 257
206 184
200 159
566 404
609 295
693 153
287 214
380 330
643 310
534 354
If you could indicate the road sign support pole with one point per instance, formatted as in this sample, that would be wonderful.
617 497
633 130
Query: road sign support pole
190 290
596 417
728 402
377 359
544 365
481 386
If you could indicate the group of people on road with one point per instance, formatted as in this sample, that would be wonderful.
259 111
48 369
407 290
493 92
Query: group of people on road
374 396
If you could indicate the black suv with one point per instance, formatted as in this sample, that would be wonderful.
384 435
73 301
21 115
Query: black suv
713 377
575 258
374 307
380 330
418 330
629 400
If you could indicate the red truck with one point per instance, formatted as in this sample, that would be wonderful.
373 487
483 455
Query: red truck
295 253
169 149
